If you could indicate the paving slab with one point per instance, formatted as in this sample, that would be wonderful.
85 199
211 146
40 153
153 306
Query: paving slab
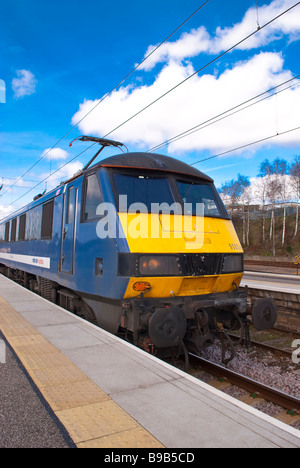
151 402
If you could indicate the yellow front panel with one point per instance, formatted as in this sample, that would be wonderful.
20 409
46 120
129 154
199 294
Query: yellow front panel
169 286
153 233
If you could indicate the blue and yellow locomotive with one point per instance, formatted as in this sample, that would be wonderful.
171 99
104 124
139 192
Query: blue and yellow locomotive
139 244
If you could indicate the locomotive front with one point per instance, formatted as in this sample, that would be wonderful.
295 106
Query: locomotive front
140 244
183 259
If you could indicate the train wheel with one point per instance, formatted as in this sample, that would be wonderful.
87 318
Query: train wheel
87 313
264 314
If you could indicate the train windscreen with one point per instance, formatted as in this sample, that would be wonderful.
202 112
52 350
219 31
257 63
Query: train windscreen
143 189
160 192
193 192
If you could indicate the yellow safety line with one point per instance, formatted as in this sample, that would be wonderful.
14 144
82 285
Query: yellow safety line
89 415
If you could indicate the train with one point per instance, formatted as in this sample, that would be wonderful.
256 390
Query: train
141 245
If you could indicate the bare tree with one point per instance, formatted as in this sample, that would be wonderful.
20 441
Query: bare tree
295 179
230 192
277 188
281 169
261 194
267 171
234 191
242 184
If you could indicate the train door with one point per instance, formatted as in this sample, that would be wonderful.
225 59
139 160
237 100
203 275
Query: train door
69 230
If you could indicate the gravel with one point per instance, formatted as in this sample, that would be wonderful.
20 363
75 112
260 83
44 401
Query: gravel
277 372
280 373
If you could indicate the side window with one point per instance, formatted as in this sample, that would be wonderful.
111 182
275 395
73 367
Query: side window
70 213
34 224
7 229
92 197
47 220
13 233
22 226
2 232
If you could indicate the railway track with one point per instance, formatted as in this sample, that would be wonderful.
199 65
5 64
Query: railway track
255 388
275 350
266 398
235 381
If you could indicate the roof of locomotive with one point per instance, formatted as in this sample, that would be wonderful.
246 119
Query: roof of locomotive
157 162
148 161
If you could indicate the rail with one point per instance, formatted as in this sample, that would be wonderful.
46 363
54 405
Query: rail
282 399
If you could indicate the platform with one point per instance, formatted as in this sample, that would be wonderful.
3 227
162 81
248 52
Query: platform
109 394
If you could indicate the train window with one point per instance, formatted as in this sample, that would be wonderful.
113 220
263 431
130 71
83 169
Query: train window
22 225
7 228
2 232
143 189
194 192
13 233
34 224
70 205
47 220
92 198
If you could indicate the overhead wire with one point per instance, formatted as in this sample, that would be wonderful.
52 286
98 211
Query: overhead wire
246 145
109 93
54 172
179 84
202 68
225 114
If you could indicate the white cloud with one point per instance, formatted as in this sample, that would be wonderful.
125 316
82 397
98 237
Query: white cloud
199 40
189 45
24 84
203 97
65 173
194 102
55 154
257 190
288 24
5 211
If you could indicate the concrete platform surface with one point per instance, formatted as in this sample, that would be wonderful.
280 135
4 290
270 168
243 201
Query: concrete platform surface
107 393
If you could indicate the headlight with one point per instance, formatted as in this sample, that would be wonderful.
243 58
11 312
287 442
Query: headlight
148 265
158 265
233 263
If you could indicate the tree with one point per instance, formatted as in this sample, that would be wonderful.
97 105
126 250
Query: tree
281 169
261 194
277 187
267 171
242 185
234 191
295 179
230 192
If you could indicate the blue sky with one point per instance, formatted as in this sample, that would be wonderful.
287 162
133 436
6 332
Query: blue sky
59 58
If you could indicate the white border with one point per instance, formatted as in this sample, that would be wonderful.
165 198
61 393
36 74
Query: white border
40 262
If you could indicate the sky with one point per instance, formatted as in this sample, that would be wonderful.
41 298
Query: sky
62 62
